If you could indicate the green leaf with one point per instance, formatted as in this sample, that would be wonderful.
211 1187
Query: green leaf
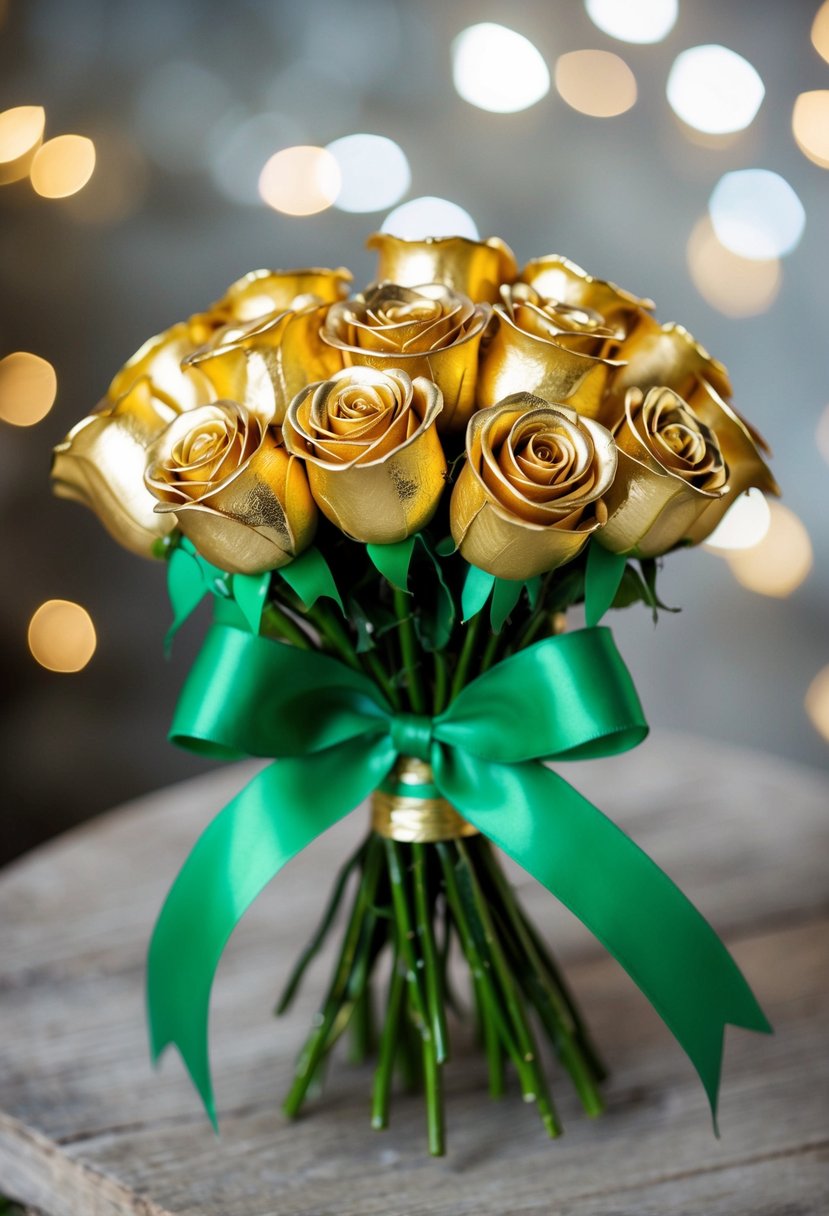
436 618
250 592
504 598
186 589
477 588
364 626
393 561
533 586
309 575
603 576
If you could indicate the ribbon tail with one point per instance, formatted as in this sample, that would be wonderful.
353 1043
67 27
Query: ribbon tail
281 811
632 907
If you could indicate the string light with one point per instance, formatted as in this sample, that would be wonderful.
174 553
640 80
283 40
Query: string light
641 21
714 90
300 181
817 702
735 286
62 636
21 134
429 216
781 561
597 83
374 170
497 69
810 126
28 387
63 165
755 213
744 524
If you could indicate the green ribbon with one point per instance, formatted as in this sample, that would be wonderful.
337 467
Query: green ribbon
336 738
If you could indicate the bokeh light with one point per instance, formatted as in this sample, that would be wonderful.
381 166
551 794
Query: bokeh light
374 171
300 181
756 213
598 83
429 216
28 387
817 702
735 286
62 166
781 561
810 125
642 21
238 150
497 69
714 89
21 134
744 524
62 636
822 434
820 31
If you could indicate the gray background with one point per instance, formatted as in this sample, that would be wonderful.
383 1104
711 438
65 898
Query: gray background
618 196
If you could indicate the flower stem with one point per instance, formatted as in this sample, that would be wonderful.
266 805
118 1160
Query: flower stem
441 680
409 650
467 651
278 622
428 950
389 1036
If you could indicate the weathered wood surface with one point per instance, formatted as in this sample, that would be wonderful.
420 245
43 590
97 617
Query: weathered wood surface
87 1127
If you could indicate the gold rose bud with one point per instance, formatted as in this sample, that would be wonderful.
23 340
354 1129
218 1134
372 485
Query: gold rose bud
265 363
531 490
428 331
557 352
557 278
101 463
666 356
670 470
743 449
261 292
234 491
474 268
159 360
374 459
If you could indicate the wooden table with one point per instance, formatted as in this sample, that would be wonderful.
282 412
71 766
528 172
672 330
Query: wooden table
86 1127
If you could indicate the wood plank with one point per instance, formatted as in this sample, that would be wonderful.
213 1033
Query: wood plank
86 1125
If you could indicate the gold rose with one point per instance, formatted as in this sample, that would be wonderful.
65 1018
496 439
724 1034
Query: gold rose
473 268
743 449
670 470
531 490
265 363
665 356
428 331
558 352
101 464
557 278
226 479
254 296
374 459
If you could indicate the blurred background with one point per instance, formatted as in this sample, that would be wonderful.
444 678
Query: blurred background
151 153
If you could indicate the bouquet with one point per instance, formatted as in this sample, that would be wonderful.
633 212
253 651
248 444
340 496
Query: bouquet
393 499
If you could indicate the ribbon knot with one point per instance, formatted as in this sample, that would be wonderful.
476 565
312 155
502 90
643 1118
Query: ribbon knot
411 735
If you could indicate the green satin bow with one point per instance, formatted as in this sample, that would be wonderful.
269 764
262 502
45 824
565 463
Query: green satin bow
565 698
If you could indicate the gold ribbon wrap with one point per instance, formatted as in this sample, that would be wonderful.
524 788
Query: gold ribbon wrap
408 808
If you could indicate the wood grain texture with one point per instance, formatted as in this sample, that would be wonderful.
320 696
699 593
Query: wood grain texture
86 1126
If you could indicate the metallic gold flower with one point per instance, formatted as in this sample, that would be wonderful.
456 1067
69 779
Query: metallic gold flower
743 449
474 268
556 278
559 352
664 356
374 459
670 470
226 479
256 295
531 490
264 363
428 331
101 463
